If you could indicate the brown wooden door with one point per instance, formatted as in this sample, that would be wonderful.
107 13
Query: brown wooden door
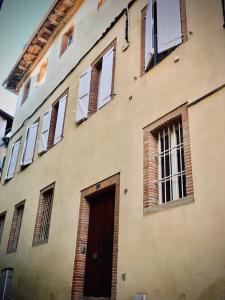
98 268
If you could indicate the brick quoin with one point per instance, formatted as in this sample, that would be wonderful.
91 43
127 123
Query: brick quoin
82 237
150 168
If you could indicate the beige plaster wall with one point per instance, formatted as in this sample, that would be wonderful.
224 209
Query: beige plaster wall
172 254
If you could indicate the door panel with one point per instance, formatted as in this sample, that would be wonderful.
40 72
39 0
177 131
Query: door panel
98 269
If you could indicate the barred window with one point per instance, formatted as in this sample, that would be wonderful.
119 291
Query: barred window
15 228
5 283
171 169
42 226
2 222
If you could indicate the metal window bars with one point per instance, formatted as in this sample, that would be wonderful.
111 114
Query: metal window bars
171 170
46 215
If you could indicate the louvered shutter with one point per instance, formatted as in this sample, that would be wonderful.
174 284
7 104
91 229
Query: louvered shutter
168 24
105 86
60 119
43 143
13 160
149 50
83 96
30 144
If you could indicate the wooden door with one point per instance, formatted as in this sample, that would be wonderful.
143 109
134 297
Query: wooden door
98 268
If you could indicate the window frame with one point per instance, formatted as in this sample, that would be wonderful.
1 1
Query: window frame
15 228
41 211
26 91
2 224
65 40
3 295
151 201
95 78
160 56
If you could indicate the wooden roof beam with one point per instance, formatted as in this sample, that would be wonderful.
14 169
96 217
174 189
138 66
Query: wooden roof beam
59 13
47 30
22 68
54 22
69 3
41 39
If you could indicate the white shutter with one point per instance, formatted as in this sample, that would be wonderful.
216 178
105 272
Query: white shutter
43 143
174 163
168 24
105 81
149 50
13 160
83 96
60 119
30 144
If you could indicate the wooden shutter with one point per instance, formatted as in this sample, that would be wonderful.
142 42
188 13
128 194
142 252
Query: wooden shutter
83 96
168 24
43 143
30 144
149 50
13 160
60 119
105 85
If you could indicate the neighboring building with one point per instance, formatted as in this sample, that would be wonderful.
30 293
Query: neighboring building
113 185
5 128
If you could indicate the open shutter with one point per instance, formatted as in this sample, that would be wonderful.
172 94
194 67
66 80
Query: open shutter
30 144
105 85
149 50
43 143
13 160
168 24
83 96
60 119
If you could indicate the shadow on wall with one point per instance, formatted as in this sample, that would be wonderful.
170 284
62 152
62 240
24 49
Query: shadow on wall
215 291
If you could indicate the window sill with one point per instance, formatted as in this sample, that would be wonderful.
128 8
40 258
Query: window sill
168 205
39 243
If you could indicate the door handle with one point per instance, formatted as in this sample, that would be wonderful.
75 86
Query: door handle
95 256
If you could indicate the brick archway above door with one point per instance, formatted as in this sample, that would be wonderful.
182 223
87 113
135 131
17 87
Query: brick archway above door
82 237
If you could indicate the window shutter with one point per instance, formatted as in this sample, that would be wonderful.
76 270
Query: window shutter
149 51
105 86
30 144
60 119
13 160
168 24
83 96
43 143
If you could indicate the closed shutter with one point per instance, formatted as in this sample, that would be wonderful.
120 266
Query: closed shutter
43 143
168 24
60 119
13 160
149 51
105 85
83 96
30 144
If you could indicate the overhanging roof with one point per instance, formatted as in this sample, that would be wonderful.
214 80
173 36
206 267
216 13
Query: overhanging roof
56 18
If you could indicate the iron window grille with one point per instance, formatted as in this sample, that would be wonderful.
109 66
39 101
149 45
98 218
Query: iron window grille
170 158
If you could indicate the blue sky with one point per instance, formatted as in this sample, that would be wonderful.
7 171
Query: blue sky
18 20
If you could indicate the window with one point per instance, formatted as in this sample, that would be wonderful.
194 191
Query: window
26 91
29 144
5 284
13 160
42 72
52 125
96 84
163 28
223 7
67 40
15 227
2 223
41 231
167 161
100 3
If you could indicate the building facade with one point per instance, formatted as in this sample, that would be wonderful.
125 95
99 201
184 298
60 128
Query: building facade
113 185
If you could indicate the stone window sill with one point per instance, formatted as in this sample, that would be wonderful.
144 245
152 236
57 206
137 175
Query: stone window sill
168 205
